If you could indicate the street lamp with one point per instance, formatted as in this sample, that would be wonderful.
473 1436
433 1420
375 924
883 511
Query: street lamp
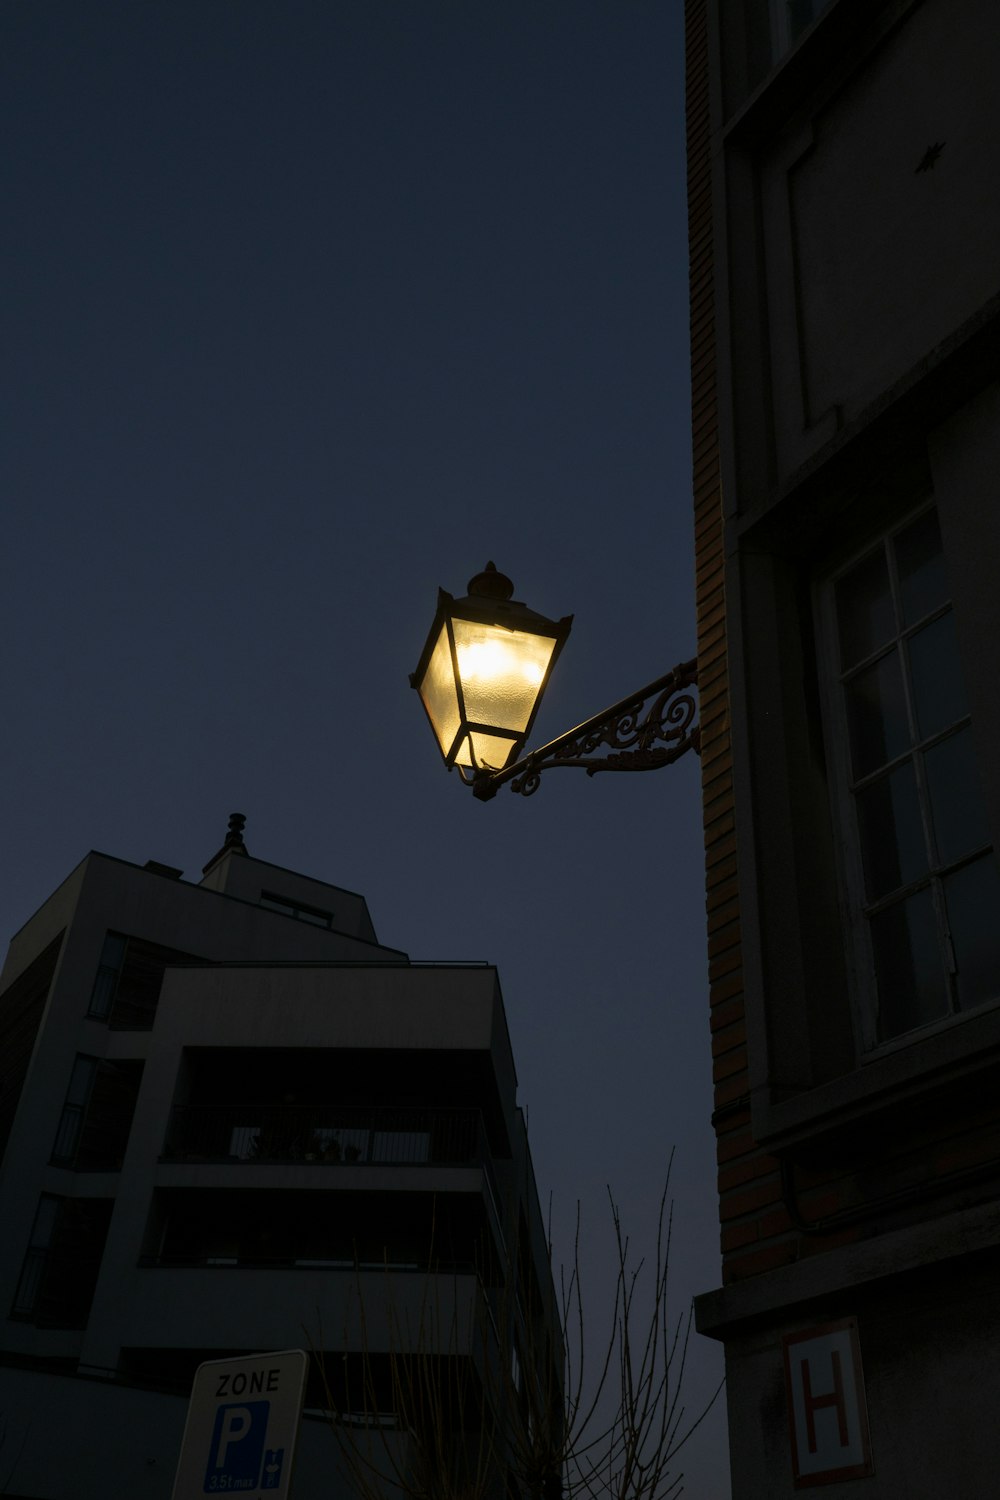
482 673
481 676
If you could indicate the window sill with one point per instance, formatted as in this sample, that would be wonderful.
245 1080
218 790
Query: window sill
933 1057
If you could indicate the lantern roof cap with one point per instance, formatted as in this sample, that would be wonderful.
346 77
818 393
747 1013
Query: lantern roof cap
489 584
490 601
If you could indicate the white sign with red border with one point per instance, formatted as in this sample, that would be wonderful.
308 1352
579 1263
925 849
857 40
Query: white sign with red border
827 1411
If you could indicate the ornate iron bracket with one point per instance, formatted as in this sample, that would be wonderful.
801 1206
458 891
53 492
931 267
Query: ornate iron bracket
639 738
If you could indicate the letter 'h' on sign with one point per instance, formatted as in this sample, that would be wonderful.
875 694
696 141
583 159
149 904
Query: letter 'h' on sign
827 1413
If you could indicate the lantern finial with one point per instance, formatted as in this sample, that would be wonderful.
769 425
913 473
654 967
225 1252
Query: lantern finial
489 584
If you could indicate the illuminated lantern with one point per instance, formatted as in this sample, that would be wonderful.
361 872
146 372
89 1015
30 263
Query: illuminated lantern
483 671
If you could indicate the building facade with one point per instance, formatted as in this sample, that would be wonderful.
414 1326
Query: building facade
846 415
233 1122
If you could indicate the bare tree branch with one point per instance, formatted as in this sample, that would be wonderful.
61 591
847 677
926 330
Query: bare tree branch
488 1392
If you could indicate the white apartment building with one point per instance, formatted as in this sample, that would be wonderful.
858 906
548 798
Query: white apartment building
232 1121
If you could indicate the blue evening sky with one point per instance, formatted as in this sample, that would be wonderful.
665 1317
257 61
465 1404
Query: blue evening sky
307 309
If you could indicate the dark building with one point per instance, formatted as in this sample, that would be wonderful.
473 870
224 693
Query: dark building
844 224
232 1121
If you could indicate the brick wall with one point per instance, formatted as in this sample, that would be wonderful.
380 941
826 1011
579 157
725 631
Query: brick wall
757 1230
772 1213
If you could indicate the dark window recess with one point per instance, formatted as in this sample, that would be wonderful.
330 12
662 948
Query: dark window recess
405 1231
168 1369
60 1269
297 909
21 1007
127 986
97 1115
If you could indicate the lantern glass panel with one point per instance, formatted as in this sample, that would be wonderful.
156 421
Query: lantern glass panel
438 692
491 751
501 671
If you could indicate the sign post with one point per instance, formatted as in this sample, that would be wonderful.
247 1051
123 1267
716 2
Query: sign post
242 1426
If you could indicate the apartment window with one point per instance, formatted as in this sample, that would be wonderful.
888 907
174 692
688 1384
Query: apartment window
127 985
920 872
287 1228
21 1007
62 1261
108 971
36 1255
297 909
97 1114
73 1111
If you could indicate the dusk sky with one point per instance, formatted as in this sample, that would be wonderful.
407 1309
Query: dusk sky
309 308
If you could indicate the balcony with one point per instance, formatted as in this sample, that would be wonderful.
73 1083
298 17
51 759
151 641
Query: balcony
326 1136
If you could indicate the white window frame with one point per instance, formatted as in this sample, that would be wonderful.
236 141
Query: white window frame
862 977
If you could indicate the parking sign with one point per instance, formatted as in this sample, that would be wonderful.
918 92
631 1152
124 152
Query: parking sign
242 1425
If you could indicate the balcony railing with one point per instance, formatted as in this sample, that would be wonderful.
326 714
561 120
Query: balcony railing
327 1136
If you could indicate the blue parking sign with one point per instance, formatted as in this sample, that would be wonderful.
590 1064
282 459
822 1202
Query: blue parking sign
242 1426
234 1459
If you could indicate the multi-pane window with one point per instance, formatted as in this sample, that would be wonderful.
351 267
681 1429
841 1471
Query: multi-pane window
127 983
923 875
193 1227
71 1121
97 1114
106 980
297 909
62 1261
36 1256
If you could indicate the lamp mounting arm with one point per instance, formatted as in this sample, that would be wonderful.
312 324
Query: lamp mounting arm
652 727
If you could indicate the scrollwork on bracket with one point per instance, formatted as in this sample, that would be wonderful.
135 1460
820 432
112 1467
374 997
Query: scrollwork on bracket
637 737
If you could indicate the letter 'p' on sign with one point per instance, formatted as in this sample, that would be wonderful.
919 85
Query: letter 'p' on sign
827 1413
242 1426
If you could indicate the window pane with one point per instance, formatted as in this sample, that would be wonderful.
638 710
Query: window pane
28 1284
45 1221
956 800
67 1136
80 1080
35 1259
108 1119
908 967
973 898
876 715
920 565
893 847
318 918
401 1145
864 609
350 1144
113 950
935 672
106 982
243 1141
